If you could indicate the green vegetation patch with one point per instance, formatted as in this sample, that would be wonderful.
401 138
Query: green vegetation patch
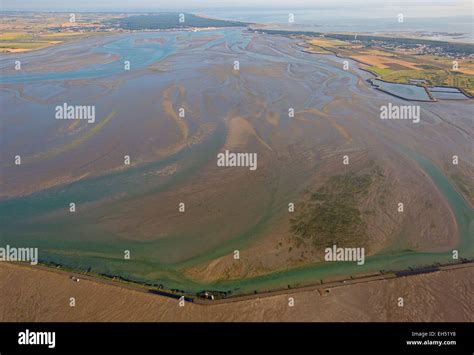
331 216
434 77
169 20
23 45
15 36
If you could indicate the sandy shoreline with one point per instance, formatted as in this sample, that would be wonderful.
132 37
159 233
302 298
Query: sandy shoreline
42 294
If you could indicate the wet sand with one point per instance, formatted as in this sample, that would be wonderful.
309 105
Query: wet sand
30 294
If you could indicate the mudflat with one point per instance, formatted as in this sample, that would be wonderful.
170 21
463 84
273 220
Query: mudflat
192 95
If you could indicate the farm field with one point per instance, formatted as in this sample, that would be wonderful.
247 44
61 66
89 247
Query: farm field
401 66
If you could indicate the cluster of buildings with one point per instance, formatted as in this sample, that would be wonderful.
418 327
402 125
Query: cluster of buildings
422 49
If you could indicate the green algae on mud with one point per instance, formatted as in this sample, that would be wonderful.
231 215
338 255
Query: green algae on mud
331 214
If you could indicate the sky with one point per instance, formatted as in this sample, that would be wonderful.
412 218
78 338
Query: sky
380 8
